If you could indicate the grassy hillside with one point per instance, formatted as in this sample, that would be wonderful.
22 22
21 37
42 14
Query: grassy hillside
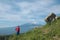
47 32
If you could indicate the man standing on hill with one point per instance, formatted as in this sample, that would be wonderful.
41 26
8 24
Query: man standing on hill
18 30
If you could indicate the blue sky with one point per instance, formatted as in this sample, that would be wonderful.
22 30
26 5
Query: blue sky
19 12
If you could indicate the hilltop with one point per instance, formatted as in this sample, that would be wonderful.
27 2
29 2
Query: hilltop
47 32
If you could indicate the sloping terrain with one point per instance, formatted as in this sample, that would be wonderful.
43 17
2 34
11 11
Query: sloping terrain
46 32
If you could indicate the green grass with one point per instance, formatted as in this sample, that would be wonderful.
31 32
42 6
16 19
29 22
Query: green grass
46 32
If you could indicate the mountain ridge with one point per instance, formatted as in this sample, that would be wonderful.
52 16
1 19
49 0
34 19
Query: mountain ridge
11 30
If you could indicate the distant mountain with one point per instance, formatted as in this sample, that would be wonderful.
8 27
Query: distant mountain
24 28
7 30
28 26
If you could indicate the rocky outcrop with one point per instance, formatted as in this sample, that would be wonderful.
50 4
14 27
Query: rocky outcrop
51 17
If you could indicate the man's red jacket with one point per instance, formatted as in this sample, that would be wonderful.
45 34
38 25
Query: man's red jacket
17 28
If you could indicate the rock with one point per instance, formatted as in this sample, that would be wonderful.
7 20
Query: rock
50 17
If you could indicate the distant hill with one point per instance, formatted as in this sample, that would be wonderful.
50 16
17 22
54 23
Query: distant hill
24 28
7 31
47 32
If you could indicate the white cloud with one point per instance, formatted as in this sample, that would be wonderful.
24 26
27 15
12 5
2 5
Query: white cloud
55 9
34 22
4 7
28 8
4 15
29 11
10 17
40 5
